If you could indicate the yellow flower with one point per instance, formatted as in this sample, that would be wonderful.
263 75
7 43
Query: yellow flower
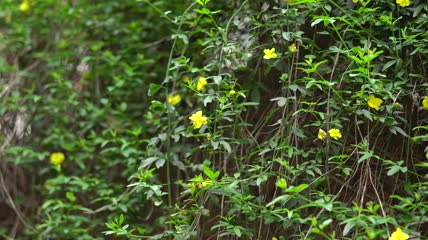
274 238
374 102
270 53
354 1
335 133
198 119
202 82
403 3
186 79
425 103
398 235
292 48
232 92
24 6
57 158
396 104
204 183
174 99
321 134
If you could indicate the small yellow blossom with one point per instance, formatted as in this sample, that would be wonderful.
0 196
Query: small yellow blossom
403 3
232 92
270 53
274 238
355 1
57 158
374 102
24 6
186 79
292 48
174 99
209 137
425 103
202 82
204 183
198 119
321 134
335 133
398 235
396 104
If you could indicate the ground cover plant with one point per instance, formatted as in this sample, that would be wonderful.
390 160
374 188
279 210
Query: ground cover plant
146 119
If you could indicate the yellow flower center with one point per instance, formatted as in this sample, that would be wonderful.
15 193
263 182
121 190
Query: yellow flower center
321 134
398 235
202 82
24 6
374 102
293 48
174 99
198 119
57 158
425 103
204 183
335 133
403 3
270 53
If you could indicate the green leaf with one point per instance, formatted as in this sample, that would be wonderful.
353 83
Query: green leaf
70 196
237 231
211 174
367 114
203 11
297 189
207 100
148 161
393 170
261 179
226 146
159 163
282 198
325 223
388 64
154 88
282 183
348 228
281 101
366 155
121 219
423 164
182 37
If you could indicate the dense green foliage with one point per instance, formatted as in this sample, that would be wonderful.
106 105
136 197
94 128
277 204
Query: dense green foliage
297 119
